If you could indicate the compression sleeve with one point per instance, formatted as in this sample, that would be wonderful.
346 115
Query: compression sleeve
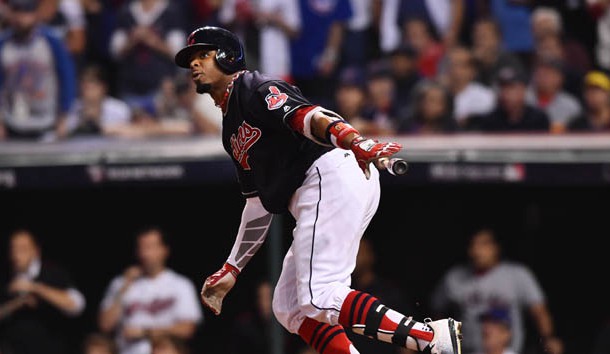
255 222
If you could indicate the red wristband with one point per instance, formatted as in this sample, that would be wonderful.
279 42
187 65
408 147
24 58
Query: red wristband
337 131
231 269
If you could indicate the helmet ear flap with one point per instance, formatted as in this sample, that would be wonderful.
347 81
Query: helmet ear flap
227 61
222 59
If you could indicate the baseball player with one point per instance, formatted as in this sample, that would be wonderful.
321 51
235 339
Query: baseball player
293 156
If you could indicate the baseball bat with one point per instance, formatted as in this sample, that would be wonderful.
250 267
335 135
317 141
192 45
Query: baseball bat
395 166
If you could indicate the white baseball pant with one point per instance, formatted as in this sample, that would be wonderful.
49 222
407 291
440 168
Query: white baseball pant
332 210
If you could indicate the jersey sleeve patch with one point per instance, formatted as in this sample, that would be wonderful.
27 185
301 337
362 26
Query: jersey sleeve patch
276 99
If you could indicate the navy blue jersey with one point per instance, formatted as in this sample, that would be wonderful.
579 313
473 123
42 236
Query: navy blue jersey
271 159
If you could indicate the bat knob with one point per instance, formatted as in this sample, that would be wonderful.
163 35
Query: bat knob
399 167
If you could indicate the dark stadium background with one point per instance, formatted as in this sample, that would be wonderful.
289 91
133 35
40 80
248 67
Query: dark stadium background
418 232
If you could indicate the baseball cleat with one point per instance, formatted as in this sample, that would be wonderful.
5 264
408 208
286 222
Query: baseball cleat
447 337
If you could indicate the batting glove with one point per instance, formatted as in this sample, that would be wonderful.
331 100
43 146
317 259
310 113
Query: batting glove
217 286
369 150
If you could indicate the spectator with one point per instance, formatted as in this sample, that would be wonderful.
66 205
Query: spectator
403 63
37 77
149 299
514 21
390 32
366 278
512 112
98 343
96 112
350 97
546 92
419 35
469 97
169 344
278 21
488 51
67 19
315 52
548 21
596 115
550 47
489 281
431 111
205 11
359 47
147 36
447 16
100 19
600 12
38 302
180 111
496 332
381 114
239 16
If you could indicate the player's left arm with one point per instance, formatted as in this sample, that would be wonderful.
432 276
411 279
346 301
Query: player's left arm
253 229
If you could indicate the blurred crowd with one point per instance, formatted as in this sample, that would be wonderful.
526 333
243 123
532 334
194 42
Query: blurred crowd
73 68
151 308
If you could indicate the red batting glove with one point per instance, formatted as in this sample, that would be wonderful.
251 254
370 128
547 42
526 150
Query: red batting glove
216 287
369 150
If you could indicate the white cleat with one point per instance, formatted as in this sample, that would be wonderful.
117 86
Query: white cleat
447 337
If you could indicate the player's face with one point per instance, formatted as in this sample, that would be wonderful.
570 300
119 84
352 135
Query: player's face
23 251
152 253
204 69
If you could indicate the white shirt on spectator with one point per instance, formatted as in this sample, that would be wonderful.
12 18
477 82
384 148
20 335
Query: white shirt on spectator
473 99
275 43
175 38
362 15
390 34
114 112
205 105
155 302
440 14
562 109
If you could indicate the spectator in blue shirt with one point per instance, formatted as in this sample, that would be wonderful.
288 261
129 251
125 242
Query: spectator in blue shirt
315 52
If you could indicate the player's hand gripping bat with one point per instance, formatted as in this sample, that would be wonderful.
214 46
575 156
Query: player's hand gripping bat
395 166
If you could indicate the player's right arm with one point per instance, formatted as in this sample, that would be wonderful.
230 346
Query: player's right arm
253 229
326 127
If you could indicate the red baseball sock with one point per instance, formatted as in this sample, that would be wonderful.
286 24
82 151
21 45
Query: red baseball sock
326 339
365 315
